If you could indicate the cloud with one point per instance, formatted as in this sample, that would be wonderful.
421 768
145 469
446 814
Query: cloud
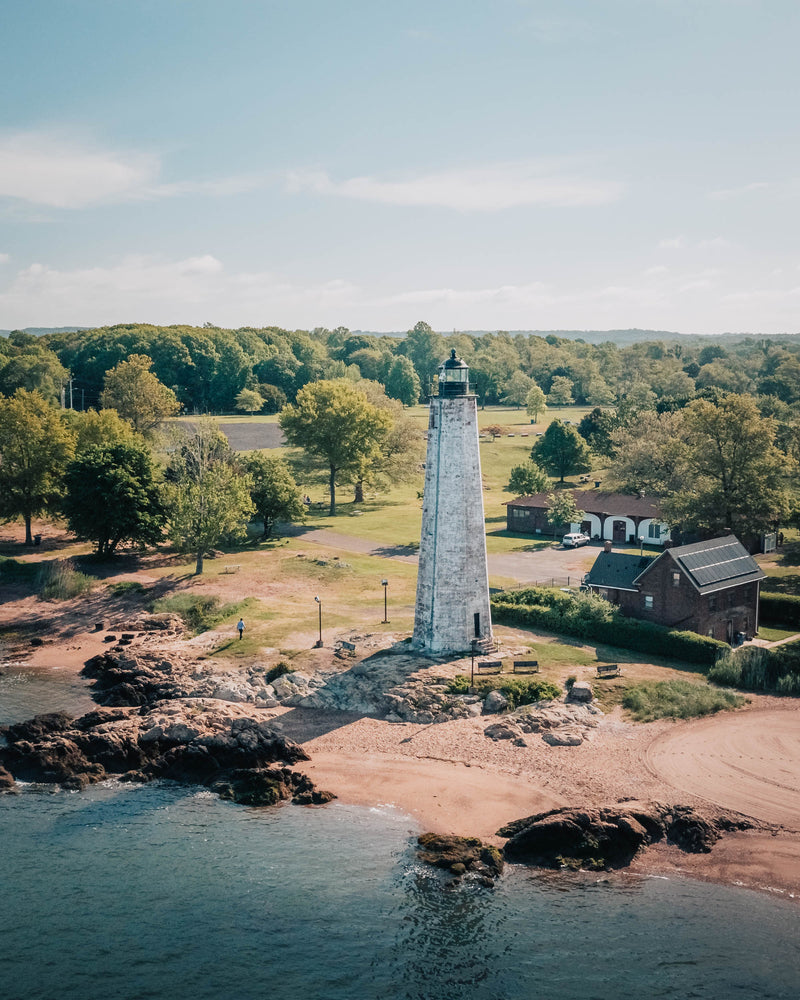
672 243
58 171
50 169
738 192
5 258
477 189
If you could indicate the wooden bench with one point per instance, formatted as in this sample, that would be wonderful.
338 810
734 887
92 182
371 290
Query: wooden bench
608 670
526 666
490 666
231 569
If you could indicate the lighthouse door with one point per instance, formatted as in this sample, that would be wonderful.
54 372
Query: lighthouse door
477 620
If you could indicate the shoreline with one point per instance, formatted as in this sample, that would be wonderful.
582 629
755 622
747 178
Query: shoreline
450 778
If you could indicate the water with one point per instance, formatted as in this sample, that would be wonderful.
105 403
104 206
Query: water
135 892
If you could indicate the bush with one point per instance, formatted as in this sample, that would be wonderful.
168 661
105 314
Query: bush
14 569
518 690
570 681
779 609
588 616
676 700
59 581
127 587
759 669
200 612
459 685
280 668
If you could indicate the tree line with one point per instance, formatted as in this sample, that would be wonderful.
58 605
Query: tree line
215 370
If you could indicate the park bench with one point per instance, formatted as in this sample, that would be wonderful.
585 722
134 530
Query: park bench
490 666
608 670
231 569
526 666
345 648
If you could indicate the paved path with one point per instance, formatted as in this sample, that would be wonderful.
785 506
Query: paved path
542 565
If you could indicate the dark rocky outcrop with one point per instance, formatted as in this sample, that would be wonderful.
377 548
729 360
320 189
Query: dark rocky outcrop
611 836
185 741
460 855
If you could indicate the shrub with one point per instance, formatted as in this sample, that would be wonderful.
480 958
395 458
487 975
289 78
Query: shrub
518 690
570 681
127 587
459 685
14 569
676 700
200 612
779 609
59 581
590 617
759 669
280 668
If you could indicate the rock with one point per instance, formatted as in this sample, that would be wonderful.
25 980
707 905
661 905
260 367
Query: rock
502 731
581 692
494 702
563 738
460 854
7 783
610 837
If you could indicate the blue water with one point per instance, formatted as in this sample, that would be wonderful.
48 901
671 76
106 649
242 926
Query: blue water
130 892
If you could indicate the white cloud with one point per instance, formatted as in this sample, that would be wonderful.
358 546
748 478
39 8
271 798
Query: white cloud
672 243
476 189
5 258
652 272
738 192
716 243
50 169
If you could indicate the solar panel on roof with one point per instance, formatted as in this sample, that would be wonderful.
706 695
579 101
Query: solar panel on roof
723 562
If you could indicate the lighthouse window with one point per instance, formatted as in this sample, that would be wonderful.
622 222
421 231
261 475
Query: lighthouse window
432 424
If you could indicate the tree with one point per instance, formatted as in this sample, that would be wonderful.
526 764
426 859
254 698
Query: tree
137 395
402 382
496 431
649 455
425 349
112 497
248 400
275 494
561 391
596 429
562 451
737 478
535 402
562 510
35 447
208 496
334 422
102 428
517 389
527 479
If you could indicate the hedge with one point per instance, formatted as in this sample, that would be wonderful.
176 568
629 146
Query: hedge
779 609
590 617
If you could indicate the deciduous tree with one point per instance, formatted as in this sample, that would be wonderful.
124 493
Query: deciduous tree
562 451
535 402
113 497
527 479
137 395
35 447
334 422
275 494
562 510
248 401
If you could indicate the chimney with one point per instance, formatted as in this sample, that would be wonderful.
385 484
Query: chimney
607 545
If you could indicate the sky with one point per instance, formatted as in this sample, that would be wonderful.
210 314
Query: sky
479 164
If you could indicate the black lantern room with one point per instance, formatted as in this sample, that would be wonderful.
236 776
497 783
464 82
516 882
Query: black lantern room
453 377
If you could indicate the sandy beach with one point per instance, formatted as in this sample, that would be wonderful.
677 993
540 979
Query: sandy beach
450 777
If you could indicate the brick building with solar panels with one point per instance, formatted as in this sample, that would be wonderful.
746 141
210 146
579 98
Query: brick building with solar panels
710 587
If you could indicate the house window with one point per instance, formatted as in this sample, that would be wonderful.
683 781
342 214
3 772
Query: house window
712 603
518 512
676 579
654 530
648 602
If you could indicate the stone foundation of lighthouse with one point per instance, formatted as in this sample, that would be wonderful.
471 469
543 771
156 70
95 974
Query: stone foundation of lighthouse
452 605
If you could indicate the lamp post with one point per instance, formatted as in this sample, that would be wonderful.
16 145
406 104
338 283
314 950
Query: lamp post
641 545
318 643
385 585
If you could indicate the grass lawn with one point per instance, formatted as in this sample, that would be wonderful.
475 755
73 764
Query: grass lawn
775 634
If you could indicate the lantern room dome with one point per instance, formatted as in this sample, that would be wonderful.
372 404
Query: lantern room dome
453 376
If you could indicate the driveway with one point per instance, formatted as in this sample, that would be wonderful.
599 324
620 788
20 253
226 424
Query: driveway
554 565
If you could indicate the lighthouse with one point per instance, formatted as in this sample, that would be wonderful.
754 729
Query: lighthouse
452 606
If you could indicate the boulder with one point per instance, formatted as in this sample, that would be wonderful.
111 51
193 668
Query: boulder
502 731
581 692
460 854
494 702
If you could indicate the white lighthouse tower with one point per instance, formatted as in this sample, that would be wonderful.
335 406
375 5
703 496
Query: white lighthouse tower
452 583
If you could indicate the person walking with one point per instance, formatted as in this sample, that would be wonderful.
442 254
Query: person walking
240 626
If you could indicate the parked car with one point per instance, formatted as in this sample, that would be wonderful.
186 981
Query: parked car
574 539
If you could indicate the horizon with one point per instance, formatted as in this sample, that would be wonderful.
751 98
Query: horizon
613 166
